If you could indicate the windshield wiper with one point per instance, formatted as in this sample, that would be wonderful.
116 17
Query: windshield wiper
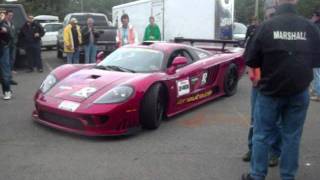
118 68
101 67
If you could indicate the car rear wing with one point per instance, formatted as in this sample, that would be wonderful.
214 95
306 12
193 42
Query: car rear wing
211 41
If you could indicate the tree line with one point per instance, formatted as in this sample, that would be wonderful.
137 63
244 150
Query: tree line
62 7
244 9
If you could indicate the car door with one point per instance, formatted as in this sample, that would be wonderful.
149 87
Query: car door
188 80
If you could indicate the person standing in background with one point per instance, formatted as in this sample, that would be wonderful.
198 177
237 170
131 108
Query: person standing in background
126 34
315 89
254 23
72 40
13 42
255 75
89 39
31 33
152 32
5 69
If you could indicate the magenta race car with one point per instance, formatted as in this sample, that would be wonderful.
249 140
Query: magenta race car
137 86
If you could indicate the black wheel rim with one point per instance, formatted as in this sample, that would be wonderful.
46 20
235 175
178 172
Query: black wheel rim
159 110
232 80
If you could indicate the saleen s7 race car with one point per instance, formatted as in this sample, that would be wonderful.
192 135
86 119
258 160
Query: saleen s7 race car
136 86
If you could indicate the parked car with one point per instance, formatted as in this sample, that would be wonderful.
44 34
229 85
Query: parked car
46 19
239 31
49 40
119 95
106 41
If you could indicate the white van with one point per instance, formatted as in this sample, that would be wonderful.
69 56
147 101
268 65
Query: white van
46 19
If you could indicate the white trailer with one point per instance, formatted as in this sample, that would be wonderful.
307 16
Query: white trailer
205 19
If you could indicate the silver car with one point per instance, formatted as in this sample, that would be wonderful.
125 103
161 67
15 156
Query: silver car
49 40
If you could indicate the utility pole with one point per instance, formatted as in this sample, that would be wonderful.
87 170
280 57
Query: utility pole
256 12
81 5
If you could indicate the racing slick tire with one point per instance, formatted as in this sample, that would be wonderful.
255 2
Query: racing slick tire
231 79
153 107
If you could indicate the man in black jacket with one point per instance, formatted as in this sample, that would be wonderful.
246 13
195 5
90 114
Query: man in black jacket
286 48
89 40
31 33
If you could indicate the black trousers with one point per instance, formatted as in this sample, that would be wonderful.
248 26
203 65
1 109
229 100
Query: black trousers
33 52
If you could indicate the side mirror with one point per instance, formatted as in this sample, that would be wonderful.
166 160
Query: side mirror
178 61
100 57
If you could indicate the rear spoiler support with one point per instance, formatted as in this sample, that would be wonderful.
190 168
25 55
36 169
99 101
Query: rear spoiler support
192 41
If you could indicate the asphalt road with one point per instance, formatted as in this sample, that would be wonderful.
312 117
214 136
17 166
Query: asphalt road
203 144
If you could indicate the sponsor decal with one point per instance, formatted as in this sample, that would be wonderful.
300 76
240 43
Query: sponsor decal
204 78
194 80
183 87
69 106
84 92
290 36
194 98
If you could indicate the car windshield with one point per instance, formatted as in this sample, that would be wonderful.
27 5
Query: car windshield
52 27
134 59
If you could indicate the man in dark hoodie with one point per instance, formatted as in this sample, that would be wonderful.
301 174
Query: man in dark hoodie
31 33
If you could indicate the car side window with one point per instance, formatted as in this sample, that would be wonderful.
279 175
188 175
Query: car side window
177 53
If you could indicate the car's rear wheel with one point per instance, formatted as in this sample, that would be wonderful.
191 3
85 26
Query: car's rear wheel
153 107
231 80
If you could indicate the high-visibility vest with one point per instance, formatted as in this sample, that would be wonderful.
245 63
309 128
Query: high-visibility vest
131 36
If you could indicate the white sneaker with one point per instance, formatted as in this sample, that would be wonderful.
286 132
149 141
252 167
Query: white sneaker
7 95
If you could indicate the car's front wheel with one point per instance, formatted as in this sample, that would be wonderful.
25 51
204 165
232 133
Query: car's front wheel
153 107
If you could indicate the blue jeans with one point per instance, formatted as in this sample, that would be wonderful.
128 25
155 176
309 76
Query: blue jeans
73 57
13 51
90 51
276 146
5 69
316 81
293 111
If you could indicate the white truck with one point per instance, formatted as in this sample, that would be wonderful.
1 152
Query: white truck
205 19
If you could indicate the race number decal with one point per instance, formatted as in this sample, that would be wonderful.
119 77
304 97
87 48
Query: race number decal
69 106
183 87
204 78
84 92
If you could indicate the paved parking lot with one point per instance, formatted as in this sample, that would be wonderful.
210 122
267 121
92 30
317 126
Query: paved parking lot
203 144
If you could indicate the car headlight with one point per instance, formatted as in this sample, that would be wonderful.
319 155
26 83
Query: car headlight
116 95
48 83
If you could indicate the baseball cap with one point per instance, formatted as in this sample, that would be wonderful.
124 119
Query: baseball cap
74 20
